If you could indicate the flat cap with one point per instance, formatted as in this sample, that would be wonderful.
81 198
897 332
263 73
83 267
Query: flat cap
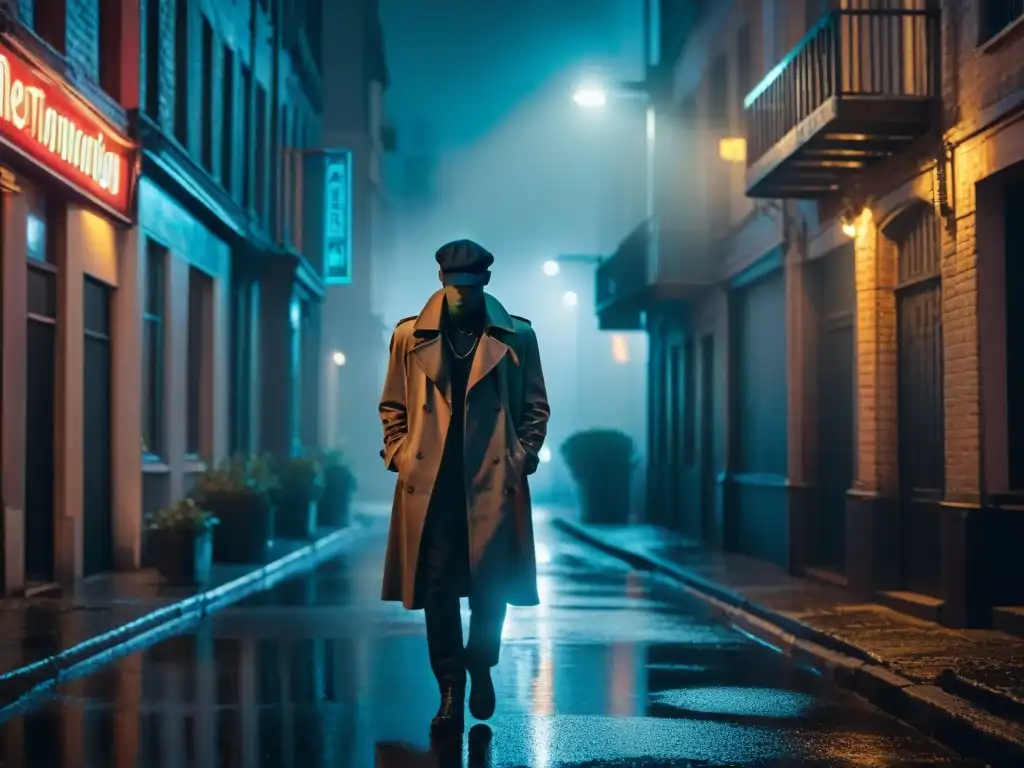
463 262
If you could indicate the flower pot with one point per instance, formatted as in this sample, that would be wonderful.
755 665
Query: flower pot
246 529
183 557
333 510
296 514
604 498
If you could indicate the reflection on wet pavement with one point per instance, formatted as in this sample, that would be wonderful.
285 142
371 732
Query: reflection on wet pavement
613 669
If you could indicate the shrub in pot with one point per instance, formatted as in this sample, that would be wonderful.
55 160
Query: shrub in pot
601 462
238 492
181 539
300 483
339 485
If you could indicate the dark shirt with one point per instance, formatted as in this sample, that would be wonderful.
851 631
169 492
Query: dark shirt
452 472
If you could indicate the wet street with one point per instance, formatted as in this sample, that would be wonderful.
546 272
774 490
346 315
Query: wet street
614 669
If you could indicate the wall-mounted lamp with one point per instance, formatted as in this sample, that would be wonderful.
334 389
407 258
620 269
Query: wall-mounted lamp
552 268
733 150
849 227
338 358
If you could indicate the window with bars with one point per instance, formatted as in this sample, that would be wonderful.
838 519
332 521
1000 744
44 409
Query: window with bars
997 15
208 116
181 73
200 287
152 44
153 350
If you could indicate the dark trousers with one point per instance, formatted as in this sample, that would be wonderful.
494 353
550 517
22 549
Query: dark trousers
445 573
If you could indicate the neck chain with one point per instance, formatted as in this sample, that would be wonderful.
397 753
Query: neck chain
455 325
455 352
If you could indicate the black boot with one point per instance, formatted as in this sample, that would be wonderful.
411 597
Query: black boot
451 714
481 695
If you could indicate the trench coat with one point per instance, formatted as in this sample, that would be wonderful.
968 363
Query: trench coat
505 421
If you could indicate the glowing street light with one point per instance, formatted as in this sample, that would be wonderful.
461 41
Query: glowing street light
544 455
338 358
590 96
570 299
552 268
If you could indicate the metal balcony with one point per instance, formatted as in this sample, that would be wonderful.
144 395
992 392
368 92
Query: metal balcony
649 268
858 88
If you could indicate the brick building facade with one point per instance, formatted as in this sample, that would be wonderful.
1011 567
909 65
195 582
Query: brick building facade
178 300
833 352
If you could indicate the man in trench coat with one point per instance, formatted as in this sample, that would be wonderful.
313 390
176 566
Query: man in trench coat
465 413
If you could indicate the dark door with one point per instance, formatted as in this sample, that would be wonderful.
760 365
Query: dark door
674 480
835 440
708 483
919 399
97 499
40 375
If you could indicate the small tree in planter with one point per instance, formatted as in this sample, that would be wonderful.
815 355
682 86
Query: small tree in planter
239 493
300 486
601 462
339 485
182 538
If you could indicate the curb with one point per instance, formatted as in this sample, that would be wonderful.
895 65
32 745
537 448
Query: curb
949 719
22 687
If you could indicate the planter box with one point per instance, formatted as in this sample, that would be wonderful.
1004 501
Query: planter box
296 515
335 504
605 499
183 558
246 529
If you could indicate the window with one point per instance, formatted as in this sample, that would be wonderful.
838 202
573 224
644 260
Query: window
997 15
153 58
208 118
199 291
260 161
181 78
718 97
689 405
227 127
110 52
153 350
247 196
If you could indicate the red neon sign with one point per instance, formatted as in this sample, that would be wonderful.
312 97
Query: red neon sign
56 130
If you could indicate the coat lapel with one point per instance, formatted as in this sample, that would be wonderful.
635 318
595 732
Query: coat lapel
429 355
488 355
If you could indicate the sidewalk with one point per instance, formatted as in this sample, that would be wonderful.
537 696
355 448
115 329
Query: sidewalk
963 687
46 641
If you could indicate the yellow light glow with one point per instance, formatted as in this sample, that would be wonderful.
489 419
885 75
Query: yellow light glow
849 229
733 150
620 349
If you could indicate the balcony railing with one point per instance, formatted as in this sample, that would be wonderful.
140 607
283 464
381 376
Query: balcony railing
650 267
857 88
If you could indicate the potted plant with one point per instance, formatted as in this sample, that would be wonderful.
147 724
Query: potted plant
339 485
239 493
601 462
300 485
182 543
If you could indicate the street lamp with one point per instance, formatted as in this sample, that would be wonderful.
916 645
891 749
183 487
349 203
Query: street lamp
338 358
552 268
590 95
570 299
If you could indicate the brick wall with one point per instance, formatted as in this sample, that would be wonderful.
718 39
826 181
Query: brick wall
26 11
83 36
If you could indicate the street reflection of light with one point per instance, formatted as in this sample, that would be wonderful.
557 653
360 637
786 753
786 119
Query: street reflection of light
543 554
570 299
624 672
545 455
750 702
552 268
620 349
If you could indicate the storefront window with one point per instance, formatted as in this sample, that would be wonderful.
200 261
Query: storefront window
153 351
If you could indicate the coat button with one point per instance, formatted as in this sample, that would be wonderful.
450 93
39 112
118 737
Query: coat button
409 489
496 460
426 408
419 454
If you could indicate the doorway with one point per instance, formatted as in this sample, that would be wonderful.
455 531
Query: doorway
97 496
40 415
708 484
919 397
835 440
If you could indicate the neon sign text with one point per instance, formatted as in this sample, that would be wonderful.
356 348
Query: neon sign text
49 126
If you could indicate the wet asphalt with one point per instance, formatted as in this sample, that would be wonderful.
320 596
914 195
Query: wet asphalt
615 668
